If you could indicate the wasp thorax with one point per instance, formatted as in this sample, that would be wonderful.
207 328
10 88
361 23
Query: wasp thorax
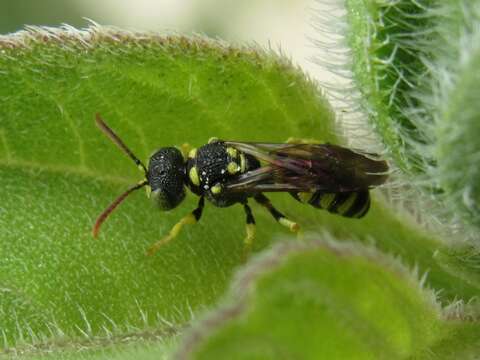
166 172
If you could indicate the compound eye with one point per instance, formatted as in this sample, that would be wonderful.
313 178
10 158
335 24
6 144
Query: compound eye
164 201
166 173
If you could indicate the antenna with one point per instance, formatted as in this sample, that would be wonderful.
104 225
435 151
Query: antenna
104 215
117 141
114 137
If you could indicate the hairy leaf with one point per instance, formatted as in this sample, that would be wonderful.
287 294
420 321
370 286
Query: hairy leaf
456 109
415 64
327 301
388 40
58 172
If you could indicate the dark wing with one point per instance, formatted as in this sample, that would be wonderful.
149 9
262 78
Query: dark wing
308 167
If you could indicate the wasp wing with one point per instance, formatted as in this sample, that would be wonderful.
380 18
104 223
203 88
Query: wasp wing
308 167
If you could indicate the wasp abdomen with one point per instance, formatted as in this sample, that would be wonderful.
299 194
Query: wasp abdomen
354 204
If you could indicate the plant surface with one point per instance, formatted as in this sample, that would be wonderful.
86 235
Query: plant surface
383 287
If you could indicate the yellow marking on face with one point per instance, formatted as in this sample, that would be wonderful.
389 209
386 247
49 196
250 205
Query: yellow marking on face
232 152
192 153
326 200
293 226
217 189
148 190
342 209
212 140
233 168
305 197
193 174
243 163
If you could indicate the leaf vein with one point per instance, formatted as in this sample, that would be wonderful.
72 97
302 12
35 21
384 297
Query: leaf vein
160 87
63 169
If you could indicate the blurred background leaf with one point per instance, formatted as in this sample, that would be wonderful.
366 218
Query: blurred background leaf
279 23
415 64
328 301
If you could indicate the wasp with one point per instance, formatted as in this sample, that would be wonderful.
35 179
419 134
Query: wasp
325 176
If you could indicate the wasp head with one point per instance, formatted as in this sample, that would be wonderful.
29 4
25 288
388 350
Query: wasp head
164 178
166 174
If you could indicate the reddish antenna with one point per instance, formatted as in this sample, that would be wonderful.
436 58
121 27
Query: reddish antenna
117 141
103 216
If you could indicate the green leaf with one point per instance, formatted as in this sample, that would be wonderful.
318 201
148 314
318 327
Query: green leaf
455 102
58 172
415 64
148 346
324 300
388 40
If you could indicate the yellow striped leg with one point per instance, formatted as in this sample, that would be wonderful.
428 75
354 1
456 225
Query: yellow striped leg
250 229
191 218
281 219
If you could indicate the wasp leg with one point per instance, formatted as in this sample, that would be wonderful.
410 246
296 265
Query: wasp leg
185 149
294 140
250 228
281 219
191 218
213 140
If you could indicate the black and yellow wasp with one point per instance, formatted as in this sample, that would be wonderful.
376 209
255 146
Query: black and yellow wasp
325 176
